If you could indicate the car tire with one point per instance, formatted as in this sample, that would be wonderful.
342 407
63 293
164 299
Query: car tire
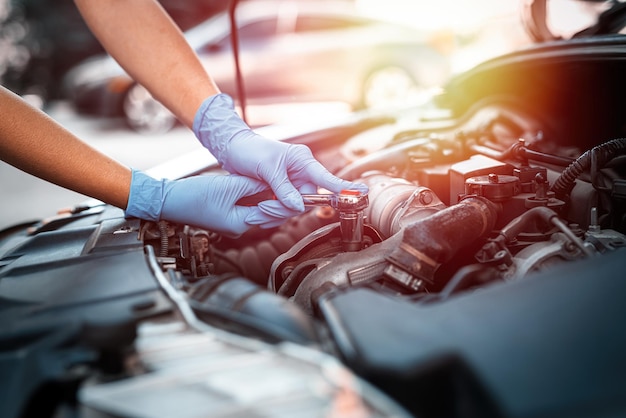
145 114
389 86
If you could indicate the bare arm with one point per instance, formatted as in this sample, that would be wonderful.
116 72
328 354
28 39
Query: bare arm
33 142
145 41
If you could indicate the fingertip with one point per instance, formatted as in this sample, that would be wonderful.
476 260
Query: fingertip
346 185
292 200
336 184
362 188
278 209
308 188
255 216
296 203
267 215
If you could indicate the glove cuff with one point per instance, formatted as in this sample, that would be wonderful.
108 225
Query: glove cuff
216 122
145 200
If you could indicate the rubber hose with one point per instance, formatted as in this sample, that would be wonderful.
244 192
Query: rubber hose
603 152
255 261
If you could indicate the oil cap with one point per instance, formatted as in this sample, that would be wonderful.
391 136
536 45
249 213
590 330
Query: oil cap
495 187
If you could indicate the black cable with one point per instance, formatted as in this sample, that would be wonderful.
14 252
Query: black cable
234 38
598 156
546 158
290 285
467 277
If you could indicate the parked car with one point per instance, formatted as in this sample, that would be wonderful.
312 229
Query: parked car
36 54
291 51
487 280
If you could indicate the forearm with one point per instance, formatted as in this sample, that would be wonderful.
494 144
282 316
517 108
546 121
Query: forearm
33 142
149 46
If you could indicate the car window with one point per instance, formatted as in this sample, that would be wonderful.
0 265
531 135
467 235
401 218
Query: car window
321 23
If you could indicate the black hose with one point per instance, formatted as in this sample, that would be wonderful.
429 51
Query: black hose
602 154
523 222
546 158
516 150
463 279
509 233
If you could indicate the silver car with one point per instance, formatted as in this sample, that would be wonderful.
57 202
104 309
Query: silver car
290 51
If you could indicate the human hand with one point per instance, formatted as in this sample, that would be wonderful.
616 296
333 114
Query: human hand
204 201
289 169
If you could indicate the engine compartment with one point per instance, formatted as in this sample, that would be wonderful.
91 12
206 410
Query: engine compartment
504 193
477 202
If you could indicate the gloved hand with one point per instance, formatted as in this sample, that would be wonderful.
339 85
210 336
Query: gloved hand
204 201
289 169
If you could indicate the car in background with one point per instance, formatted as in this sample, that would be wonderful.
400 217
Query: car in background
36 53
290 51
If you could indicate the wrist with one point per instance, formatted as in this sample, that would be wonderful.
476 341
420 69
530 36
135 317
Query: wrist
216 122
145 200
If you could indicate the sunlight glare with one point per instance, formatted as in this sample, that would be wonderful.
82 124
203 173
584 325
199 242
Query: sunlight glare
457 15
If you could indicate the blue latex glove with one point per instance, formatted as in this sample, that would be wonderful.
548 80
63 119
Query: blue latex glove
289 169
204 201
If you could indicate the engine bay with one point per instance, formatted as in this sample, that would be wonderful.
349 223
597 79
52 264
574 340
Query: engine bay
447 210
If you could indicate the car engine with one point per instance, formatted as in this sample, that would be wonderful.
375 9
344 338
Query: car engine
489 199
511 185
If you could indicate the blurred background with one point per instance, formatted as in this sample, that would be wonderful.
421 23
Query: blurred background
301 60
40 40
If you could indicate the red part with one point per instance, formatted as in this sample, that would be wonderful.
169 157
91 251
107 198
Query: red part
350 192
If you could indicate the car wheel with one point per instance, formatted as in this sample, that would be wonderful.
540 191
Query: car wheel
145 114
389 86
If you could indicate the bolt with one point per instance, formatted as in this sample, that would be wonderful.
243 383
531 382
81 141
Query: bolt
425 197
350 204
